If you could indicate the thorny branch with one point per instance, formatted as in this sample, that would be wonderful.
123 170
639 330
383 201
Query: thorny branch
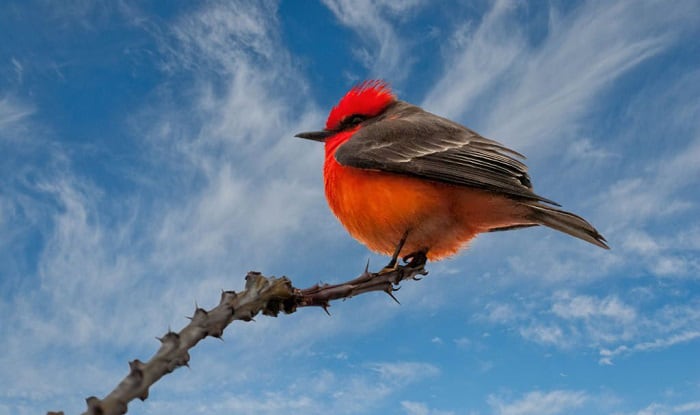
266 295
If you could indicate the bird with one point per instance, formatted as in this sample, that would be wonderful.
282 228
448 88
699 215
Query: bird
417 186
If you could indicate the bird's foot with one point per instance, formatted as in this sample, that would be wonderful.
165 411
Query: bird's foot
416 259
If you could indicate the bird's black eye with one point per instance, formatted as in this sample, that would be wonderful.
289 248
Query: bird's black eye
351 121
356 119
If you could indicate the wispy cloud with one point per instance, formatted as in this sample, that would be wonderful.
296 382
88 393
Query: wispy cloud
385 53
12 114
535 92
314 392
598 319
104 258
540 403
606 355
607 324
405 371
561 78
244 109
73 273
420 408
665 409
538 94
587 307
481 56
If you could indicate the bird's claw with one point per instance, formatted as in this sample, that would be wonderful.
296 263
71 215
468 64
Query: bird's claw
415 259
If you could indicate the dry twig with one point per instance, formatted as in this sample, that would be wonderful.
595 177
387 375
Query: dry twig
266 295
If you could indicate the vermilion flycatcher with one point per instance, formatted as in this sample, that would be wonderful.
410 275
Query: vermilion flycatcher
407 182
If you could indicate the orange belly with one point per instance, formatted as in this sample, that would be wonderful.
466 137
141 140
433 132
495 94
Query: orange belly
377 208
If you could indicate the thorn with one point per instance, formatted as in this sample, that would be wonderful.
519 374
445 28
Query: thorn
168 336
216 333
144 395
392 297
325 308
198 312
136 365
367 267
94 405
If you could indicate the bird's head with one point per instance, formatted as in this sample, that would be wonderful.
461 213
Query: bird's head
364 101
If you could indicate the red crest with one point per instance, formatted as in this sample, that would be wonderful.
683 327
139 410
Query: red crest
368 98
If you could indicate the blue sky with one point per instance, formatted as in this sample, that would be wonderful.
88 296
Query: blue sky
148 161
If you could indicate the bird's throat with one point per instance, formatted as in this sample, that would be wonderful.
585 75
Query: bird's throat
333 142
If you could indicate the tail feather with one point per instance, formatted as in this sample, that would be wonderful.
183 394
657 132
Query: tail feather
566 222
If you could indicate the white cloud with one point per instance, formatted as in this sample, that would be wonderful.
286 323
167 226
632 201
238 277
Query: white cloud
19 71
656 344
238 136
656 188
61 300
535 93
225 36
687 407
462 342
13 113
611 325
226 178
485 54
554 85
313 391
640 243
543 94
546 334
664 255
419 408
587 150
386 53
665 409
500 313
586 307
639 199
540 403
401 372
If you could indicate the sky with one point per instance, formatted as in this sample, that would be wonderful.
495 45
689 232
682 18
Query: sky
148 161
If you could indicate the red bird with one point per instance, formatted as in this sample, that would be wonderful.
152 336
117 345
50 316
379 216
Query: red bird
409 183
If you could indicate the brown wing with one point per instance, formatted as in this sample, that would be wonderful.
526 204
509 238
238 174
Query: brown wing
407 140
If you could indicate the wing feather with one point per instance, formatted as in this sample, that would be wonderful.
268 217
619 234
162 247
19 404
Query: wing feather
408 140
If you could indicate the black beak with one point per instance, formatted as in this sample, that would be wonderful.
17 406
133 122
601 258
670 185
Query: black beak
315 135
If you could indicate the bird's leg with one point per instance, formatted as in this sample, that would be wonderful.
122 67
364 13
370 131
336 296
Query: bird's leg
391 266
